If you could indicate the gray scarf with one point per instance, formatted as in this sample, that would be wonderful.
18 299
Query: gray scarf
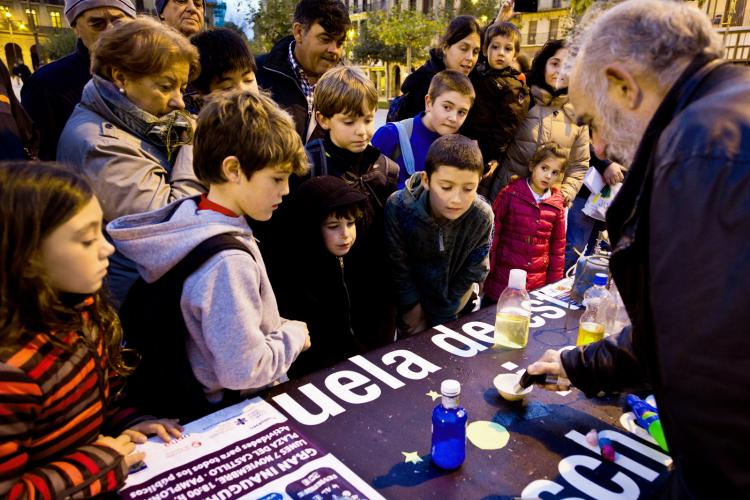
171 131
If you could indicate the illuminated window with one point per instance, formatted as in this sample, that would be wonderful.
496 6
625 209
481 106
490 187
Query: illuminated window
32 17
56 19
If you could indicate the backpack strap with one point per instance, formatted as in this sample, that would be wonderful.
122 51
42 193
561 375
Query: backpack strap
201 253
316 155
405 128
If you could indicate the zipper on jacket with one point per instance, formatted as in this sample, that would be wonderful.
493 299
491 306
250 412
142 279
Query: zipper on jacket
348 298
441 243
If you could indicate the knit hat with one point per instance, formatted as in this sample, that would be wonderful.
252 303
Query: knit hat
320 196
74 8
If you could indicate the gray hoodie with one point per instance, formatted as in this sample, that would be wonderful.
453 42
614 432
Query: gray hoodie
435 264
237 339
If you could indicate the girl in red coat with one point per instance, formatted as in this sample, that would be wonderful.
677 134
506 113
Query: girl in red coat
530 226
60 436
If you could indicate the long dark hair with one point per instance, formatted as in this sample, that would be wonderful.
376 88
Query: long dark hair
35 199
539 64
459 28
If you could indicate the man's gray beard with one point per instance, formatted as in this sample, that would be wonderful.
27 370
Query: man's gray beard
624 134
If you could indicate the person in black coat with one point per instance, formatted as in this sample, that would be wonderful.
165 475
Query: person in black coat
319 287
459 50
18 138
650 81
51 93
293 66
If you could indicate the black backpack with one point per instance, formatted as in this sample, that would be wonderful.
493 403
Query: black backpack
394 109
163 383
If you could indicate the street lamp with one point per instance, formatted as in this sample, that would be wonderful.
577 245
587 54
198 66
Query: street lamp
9 16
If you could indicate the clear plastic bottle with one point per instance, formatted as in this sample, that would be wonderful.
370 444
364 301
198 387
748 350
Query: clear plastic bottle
619 318
512 317
597 300
449 428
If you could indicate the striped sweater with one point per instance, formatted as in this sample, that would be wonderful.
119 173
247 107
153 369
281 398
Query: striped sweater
53 406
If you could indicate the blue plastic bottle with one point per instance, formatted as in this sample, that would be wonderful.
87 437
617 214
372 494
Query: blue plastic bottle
449 428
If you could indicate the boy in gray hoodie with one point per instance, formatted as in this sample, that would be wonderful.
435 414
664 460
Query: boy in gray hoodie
245 150
438 235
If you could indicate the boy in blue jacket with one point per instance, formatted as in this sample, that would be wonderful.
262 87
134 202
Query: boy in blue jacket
447 105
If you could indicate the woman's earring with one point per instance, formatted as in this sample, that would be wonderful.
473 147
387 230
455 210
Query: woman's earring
122 90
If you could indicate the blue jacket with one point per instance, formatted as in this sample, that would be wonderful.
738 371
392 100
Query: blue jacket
434 264
386 140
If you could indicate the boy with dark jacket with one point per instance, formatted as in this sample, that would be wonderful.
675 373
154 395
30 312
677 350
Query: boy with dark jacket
345 102
438 234
325 217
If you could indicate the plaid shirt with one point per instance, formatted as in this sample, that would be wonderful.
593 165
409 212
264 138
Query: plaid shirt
301 78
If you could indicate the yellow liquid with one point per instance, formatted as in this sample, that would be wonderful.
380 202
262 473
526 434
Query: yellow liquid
511 330
589 332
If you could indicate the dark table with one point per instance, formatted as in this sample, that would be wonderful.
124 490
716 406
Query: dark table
371 411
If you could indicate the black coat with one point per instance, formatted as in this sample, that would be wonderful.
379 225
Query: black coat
417 84
501 105
51 93
18 138
680 228
276 75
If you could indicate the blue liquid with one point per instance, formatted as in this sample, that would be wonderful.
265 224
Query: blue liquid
448 437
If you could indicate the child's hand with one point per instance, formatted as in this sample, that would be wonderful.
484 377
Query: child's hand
492 166
165 428
506 11
308 342
124 446
614 174
414 320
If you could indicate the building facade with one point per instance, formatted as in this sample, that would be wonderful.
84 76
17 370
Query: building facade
27 24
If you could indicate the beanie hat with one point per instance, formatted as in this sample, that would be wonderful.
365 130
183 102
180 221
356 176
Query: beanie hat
319 196
74 8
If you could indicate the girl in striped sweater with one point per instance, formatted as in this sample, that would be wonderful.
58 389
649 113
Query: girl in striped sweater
59 343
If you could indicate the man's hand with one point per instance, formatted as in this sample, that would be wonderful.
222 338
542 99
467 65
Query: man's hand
165 428
414 320
551 364
124 446
614 174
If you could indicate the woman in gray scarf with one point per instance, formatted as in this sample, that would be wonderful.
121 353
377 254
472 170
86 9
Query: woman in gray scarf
130 135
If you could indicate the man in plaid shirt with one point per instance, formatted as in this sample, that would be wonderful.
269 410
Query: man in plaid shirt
293 66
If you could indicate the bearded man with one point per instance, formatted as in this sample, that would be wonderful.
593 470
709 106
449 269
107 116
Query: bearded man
650 82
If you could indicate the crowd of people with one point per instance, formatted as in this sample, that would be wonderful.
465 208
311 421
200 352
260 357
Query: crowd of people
216 223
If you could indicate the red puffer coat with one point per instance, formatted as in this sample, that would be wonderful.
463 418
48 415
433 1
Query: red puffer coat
529 236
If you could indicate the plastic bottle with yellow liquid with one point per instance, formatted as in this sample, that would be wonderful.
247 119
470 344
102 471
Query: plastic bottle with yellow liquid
597 300
512 317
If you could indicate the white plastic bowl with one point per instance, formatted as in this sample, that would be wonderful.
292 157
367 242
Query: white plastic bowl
505 384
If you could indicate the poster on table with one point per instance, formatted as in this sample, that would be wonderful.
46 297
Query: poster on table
249 450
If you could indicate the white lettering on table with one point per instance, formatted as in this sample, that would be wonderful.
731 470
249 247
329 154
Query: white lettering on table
353 380
410 360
